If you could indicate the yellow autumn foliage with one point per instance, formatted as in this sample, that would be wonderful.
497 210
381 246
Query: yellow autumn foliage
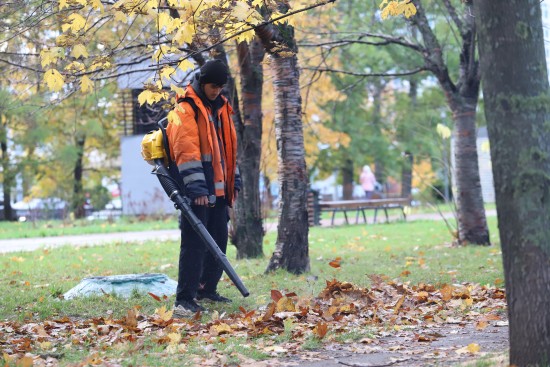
423 174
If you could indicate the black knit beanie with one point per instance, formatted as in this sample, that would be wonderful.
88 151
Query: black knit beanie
214 71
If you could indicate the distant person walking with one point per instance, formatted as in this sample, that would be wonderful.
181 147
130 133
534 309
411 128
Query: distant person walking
368 181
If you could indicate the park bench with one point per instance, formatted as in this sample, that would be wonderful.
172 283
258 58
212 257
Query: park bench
360 206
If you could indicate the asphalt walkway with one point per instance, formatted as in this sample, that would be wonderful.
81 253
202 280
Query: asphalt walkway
31 244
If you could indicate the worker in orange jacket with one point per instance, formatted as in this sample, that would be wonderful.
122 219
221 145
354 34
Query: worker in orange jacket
203 144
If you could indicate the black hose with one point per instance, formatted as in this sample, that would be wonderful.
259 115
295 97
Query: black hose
183 203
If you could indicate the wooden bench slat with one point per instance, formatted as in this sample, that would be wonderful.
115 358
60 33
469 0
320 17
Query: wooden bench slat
362 205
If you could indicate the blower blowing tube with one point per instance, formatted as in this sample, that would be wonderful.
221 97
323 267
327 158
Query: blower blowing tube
184 205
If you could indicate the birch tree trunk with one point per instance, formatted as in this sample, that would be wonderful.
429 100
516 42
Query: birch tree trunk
249 232
8 180
515 90
291 249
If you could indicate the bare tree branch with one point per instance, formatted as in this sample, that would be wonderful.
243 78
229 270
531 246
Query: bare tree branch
404 73
433 58
454 16
387 41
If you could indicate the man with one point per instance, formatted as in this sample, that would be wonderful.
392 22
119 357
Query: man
203 144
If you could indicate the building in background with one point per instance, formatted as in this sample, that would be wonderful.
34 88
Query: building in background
140 191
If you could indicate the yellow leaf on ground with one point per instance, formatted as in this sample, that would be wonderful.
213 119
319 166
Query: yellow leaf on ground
285 304
175 338
163 313
472 348
45 345
446 292
219 329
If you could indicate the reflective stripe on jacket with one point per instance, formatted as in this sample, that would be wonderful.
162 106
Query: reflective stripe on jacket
195 149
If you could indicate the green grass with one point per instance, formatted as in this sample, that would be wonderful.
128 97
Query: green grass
31 282
66 228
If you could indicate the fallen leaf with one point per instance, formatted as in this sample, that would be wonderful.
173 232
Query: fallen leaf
24 362
269 312
399 304
320 330
472 348
446 292
275 349
481 325
405 273
285 304
175 338
154 296
131 319
276 295
220 329
336 262
164 314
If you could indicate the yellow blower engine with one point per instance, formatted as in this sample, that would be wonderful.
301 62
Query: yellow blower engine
152 147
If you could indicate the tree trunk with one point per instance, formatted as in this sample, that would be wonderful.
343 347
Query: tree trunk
291 250
7 173
249 232
472 223
78 194
347 179
408 157
406 175
462 100
515 90
379 170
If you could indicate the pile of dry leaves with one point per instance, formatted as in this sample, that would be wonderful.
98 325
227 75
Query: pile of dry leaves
388 308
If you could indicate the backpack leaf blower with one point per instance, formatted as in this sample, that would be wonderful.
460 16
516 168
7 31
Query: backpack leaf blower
155 150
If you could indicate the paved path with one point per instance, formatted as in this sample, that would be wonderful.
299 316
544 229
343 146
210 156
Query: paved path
30 244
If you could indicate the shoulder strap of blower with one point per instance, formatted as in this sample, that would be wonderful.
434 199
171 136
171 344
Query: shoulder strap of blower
191 101
172 167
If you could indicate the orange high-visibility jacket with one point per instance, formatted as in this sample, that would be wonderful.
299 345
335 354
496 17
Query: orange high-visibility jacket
195 149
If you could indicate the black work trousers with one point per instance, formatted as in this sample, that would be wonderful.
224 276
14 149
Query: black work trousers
197 267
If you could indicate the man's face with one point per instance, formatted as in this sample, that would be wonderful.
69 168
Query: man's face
212 91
